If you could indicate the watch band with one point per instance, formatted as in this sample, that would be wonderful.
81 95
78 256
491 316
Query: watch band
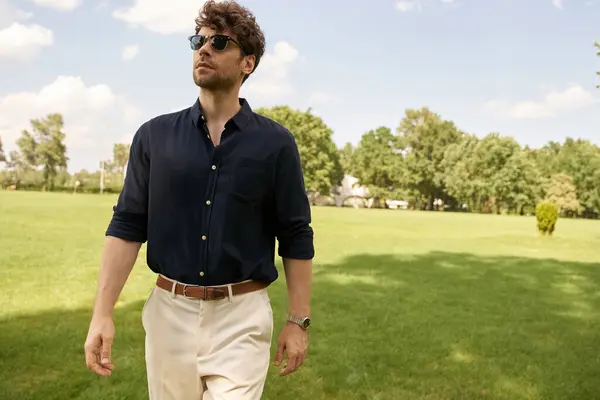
303 322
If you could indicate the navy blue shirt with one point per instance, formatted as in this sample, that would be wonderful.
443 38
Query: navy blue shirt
211 214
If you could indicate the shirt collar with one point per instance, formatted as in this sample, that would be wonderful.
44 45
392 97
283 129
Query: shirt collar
240 119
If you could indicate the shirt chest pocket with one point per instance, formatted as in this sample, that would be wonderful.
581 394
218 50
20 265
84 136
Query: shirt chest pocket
251 179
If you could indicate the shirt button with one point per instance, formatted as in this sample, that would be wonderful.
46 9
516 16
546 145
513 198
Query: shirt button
214 167
202 273
208 202
203 237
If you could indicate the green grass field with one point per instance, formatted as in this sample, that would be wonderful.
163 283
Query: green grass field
406 305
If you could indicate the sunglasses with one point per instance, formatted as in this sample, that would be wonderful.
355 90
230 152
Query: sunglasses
217 42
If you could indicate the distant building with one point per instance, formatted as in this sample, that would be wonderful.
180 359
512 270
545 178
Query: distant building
348 189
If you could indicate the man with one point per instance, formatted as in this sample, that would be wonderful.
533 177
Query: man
211 188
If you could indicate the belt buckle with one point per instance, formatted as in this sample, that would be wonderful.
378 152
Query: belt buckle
184 291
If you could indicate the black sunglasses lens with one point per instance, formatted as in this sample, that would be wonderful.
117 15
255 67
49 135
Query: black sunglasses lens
219 42
197 42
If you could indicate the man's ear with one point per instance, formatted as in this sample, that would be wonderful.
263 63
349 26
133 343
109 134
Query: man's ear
249 63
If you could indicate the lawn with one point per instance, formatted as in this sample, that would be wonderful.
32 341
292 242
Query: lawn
406 305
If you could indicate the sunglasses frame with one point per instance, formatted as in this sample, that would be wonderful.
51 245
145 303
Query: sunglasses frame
210 37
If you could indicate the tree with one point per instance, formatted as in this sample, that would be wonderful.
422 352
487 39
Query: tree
489 160
377 164
545 161
45 146
580 159
27 144
491 173
516 185
563 193
320 157
2 157
461 180
120 156
120 159
546 214
346 156
424 136
16 167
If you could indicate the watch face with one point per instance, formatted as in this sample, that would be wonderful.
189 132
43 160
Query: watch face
306 323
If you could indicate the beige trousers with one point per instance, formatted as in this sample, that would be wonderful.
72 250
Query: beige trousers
207 350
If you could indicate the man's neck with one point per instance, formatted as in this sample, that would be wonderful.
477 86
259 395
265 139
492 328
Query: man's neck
219 106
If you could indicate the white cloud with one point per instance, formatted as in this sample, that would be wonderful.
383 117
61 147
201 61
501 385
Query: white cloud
553 103
9 13
130 52
22 42
452 3
418 5
95 117
102 5
270 78
160 16
61 5
408 5
558 4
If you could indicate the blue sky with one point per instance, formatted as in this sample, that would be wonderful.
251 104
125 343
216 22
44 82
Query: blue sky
522 68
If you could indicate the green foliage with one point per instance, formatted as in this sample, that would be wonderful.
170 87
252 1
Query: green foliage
16 170
491 172
114 170
428 159
120 156
424 136
563 193
547 215
320 157
2 156
461 179
377 164
580 159
45 147
346 162
516 184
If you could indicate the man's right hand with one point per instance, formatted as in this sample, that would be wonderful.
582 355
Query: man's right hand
98 343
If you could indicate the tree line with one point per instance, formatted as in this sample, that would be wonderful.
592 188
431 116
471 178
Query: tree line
41 161
433 165
426 161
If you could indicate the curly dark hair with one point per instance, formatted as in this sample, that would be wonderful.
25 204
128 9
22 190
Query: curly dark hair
223 15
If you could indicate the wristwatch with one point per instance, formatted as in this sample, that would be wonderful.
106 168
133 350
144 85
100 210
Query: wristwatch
304 322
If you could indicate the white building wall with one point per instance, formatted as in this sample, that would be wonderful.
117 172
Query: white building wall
349 188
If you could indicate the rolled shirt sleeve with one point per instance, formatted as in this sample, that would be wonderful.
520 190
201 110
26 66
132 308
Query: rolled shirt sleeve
130 215
292 208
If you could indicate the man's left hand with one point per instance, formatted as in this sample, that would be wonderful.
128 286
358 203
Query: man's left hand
293 340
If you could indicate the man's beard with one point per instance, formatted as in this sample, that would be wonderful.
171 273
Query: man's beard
215 82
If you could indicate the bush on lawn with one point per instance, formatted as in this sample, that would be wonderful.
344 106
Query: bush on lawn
547 215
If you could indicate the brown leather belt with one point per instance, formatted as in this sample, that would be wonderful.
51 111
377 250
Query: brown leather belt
208 292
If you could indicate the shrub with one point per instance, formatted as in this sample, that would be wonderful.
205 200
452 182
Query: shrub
547 215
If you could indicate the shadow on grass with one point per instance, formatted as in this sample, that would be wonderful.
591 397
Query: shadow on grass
434 326
453 326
